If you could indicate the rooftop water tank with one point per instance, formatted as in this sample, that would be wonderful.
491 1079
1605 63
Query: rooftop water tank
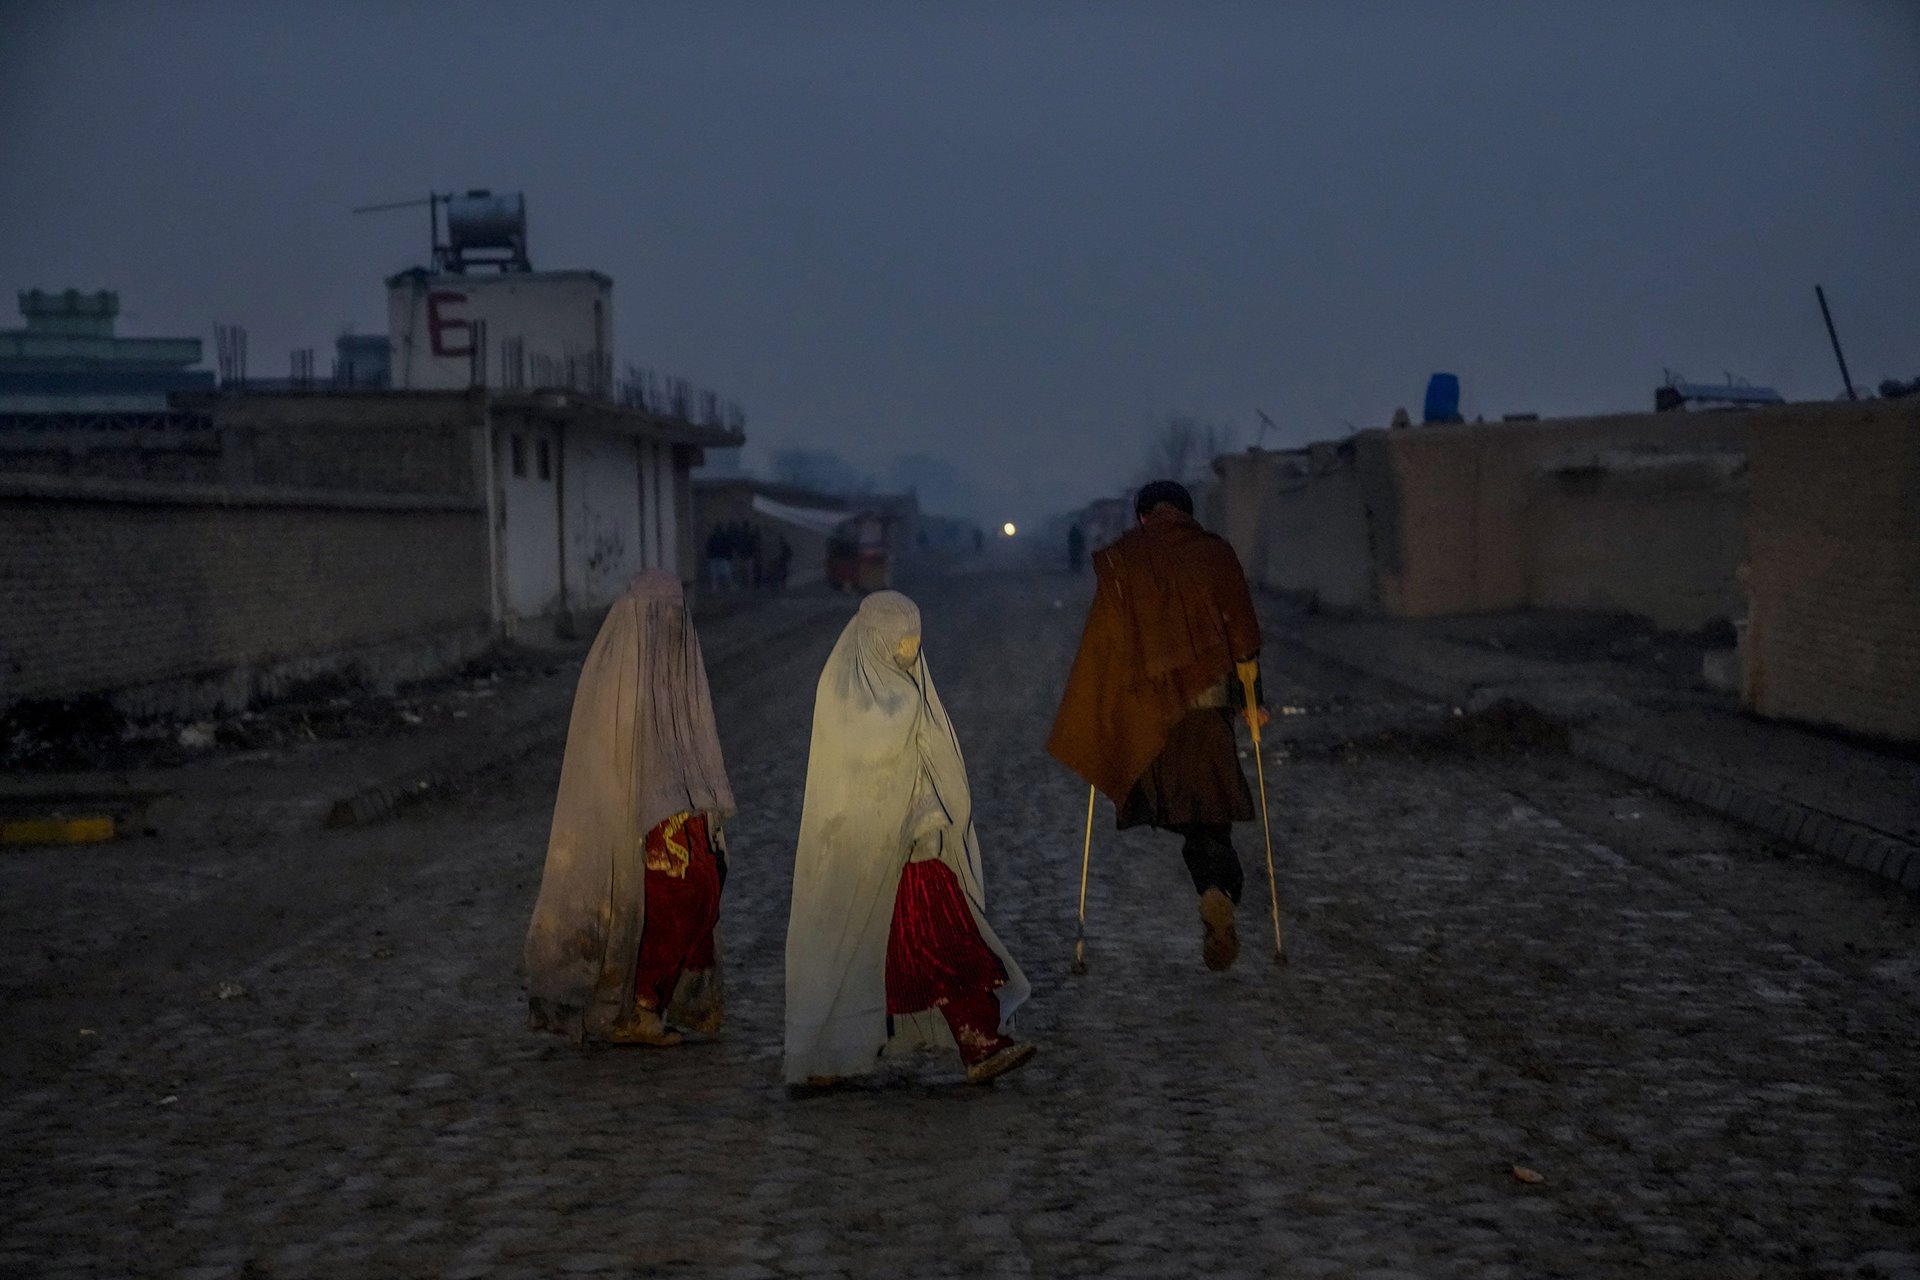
1443 399
485 229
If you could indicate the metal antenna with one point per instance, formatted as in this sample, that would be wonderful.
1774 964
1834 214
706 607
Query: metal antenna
1265 422
433 202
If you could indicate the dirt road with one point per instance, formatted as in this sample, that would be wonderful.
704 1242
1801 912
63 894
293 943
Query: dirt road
303 1054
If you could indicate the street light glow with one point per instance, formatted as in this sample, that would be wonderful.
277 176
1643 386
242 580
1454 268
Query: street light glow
1007 528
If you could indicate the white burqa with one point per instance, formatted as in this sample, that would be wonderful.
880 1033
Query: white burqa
885 784
641 747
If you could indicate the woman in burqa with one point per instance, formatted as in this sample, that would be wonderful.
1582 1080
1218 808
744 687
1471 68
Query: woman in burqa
888 945
623 936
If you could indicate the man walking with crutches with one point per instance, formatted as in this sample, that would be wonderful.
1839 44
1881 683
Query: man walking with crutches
1168 658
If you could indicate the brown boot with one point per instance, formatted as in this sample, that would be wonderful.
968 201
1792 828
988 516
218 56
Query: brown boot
1219 942
644 1027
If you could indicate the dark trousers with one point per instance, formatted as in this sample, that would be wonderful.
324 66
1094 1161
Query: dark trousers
1211 859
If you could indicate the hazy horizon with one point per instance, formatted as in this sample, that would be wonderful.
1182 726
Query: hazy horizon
1006 239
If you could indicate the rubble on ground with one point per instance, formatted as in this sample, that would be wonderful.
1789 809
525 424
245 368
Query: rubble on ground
59 736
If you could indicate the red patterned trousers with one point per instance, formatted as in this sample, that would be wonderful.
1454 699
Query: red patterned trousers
936 959
683 906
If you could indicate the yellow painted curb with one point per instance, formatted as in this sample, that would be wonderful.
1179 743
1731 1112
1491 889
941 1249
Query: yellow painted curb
56 831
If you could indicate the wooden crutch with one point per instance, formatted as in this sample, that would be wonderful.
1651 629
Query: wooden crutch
1266 825
1079 965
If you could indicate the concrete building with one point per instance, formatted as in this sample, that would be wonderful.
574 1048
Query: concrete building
584 494
473 475
68 360
362 360
580 493
513 330
262 539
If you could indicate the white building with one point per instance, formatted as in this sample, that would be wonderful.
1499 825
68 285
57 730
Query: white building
512 330
583 495
582 492
567 495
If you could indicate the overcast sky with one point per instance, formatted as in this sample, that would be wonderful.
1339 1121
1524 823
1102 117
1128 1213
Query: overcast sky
1011 236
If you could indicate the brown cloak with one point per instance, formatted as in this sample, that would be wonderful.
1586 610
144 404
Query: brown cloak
1171 613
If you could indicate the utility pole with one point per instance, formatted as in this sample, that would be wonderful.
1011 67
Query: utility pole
1834 338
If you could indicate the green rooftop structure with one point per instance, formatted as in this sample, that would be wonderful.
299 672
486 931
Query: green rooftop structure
68 359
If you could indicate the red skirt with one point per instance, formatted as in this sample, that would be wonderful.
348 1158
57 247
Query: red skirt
934 951
683 906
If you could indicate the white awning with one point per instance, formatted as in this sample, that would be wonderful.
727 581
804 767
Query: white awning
812 519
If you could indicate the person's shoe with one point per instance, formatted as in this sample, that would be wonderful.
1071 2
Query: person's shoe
1220 941
999 1062
645 1027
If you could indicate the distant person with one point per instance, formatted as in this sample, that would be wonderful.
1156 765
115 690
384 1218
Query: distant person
1076 547
888 945
979 540
782 563
622 947
1147 715
741 549
719 560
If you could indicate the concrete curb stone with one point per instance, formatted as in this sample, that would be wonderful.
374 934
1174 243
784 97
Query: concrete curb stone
383 800
1778 815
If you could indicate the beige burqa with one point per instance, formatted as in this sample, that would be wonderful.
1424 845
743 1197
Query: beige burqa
885 784
641 747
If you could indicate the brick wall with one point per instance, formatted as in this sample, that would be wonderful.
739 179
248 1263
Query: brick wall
1443 505
182 448
181 600
1638 513
1653 533
1833 568
1298 521
1635 513
372 442
1241 502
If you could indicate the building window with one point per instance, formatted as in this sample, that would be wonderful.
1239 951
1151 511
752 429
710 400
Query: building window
545 461
517 445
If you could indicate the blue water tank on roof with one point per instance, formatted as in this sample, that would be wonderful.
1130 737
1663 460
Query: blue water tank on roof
1443 399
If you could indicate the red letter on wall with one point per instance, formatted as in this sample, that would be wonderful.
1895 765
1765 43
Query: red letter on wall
441 326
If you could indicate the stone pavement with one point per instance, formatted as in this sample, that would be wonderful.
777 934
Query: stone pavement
1499 960
1655 723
